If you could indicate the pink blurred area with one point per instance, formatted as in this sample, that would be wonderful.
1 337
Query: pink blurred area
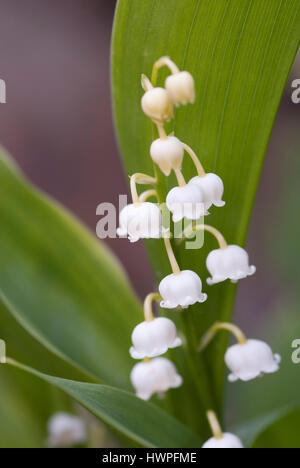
57 121
58 125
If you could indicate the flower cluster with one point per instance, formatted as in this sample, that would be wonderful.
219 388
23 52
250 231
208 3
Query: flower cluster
189 200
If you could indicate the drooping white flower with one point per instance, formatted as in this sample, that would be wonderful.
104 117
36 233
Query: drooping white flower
157 105
65 430
228 440
167 153
185 202
141 221
151 339
250 360
229 263
181 88
181 290
212 187
155 376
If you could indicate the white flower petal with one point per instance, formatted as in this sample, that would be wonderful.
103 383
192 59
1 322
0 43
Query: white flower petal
251 360
212 187
157 105
228 440
229 263
65 430
141 221
181 88
181 290
167 153
155 376
154 338
185 202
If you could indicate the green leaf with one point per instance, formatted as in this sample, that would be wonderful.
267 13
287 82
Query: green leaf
278 429
240 54
21 417
61 285
23 414
142 422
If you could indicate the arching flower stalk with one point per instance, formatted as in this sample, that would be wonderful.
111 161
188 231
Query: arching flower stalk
220 439
247 359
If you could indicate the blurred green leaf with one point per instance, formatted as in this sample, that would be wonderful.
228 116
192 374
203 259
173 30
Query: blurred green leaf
283 433
61 285
278 429
240 54
139 420
23 413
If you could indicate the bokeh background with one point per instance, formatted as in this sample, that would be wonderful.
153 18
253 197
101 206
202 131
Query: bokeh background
58 124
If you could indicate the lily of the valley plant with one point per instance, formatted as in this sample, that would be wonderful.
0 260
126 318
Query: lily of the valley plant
189 200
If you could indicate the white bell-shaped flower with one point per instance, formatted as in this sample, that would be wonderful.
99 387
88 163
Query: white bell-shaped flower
181 88
250 360
65 430
212 187
157 105
183 289
151 339
185 202
229 263
155 376
140 221
228 440
167 153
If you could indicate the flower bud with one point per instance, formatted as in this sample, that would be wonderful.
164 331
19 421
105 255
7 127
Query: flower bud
167 153
181 290
181 88
157 105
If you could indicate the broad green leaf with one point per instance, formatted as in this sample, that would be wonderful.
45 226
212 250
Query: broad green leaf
283 433
23 413
278 429
141 421
62 285
22 346
240 54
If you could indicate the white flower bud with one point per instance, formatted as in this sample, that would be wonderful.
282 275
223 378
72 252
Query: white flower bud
181 88
157 105
151 339
155 376
167 153
181 290
141 221
185 202
250 360
229 263
212 187
228 440
66 430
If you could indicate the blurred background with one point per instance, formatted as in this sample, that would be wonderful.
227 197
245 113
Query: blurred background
57 123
